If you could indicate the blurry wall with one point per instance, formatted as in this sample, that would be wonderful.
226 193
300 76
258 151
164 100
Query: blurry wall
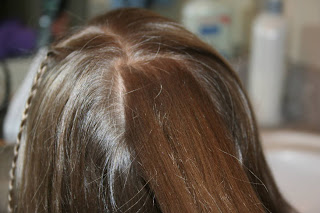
304 28
26 11
302 100
29 11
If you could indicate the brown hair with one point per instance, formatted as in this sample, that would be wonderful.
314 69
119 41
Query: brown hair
133 113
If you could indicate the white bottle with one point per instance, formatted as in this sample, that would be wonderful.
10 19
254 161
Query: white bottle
267 64
211 20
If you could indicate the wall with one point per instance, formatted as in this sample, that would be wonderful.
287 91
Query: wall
304 28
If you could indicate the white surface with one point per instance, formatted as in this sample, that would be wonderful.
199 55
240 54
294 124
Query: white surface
294 159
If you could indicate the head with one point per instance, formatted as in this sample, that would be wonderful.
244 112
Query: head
133 113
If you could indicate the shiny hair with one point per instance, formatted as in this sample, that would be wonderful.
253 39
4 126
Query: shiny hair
133 113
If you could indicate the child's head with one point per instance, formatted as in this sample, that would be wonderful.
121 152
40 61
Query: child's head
133 113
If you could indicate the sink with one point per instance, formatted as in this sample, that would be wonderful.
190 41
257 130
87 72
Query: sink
294 158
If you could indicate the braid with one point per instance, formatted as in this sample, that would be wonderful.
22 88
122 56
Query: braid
33 91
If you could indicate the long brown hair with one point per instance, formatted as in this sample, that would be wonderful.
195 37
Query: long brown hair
133 113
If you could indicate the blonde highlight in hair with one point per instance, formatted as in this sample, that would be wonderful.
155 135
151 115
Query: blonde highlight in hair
136 114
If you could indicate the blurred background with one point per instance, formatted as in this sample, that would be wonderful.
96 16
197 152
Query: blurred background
274 46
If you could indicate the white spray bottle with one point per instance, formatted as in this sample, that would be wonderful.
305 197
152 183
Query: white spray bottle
267 64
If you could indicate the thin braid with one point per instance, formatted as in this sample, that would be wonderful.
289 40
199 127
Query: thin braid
37 79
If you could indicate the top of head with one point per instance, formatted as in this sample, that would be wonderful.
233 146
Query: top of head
135 113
